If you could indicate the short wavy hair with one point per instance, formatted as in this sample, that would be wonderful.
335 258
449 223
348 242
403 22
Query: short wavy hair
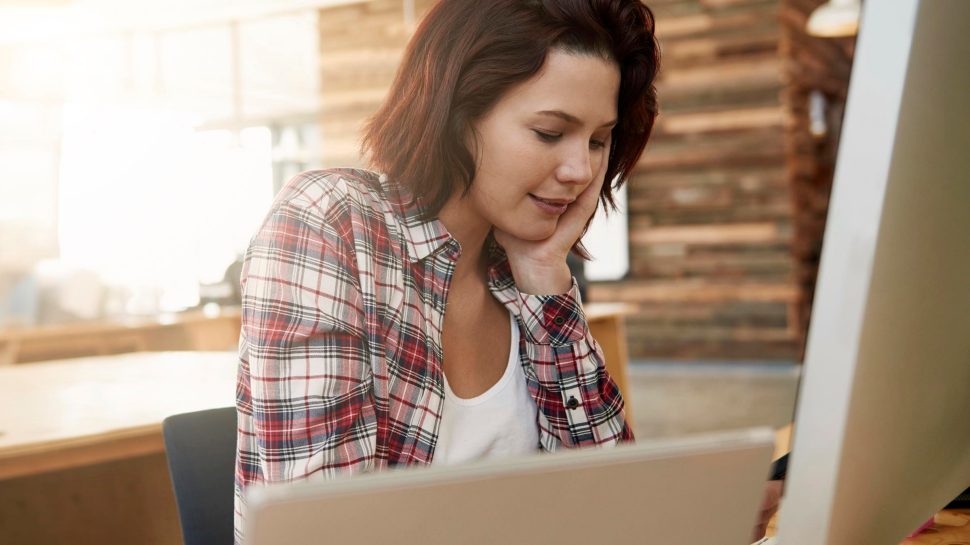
467 53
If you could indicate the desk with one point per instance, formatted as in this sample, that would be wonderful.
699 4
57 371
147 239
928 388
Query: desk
65 414
190 330
952 527
81 453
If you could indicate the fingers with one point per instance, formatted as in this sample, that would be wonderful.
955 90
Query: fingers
769 506
585 205
593 190
769 503
762 526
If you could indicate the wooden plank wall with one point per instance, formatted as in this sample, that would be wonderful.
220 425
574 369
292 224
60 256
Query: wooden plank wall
710 209
728 208
821 66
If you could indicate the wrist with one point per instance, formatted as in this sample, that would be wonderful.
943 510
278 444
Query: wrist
542 279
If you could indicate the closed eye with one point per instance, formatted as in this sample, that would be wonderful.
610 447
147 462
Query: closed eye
547 136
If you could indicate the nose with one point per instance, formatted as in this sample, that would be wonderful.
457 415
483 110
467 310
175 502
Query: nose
575 166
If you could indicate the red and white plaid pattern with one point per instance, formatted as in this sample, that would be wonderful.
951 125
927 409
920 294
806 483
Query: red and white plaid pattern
344 291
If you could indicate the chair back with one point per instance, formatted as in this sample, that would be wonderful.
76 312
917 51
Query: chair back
201 451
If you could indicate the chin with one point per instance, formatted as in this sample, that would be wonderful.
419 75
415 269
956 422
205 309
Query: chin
532 233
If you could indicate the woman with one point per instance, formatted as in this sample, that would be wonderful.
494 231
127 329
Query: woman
426 314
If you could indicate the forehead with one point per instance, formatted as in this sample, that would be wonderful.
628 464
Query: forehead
584 86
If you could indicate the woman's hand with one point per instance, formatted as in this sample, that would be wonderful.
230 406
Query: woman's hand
769 506
539 267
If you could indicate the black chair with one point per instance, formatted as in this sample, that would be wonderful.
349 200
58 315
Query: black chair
201 450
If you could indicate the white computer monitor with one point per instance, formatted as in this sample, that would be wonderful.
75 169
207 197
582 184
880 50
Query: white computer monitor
882 426
688 491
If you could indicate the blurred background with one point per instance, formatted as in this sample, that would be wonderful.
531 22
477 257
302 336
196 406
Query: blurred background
141 142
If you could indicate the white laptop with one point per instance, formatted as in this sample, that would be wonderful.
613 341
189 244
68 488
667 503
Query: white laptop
686 491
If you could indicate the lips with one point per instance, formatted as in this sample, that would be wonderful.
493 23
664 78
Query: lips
550 206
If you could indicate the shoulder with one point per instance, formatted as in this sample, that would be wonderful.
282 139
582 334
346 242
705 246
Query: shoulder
326 194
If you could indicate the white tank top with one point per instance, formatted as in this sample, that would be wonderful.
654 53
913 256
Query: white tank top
499 422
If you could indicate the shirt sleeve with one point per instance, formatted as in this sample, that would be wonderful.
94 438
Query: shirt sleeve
303 391
580 401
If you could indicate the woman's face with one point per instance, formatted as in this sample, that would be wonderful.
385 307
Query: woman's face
542 144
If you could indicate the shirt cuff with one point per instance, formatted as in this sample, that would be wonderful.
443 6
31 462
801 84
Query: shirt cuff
554 319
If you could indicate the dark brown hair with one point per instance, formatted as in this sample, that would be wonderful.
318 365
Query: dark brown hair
467 53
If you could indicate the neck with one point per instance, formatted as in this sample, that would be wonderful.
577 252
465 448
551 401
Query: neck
470 230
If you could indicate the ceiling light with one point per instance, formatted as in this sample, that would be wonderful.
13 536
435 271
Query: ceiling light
835 19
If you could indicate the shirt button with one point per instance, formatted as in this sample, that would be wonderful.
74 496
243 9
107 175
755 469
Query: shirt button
559 320
572 403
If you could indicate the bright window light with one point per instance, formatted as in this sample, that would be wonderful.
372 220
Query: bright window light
154 206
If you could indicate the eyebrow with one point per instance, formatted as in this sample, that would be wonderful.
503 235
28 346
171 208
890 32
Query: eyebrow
571 118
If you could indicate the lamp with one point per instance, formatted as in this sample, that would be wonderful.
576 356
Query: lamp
835 19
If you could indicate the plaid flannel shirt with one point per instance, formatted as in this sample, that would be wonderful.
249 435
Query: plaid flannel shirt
344 292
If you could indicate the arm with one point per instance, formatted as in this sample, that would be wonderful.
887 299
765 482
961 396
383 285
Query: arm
581 402
579 399
304 376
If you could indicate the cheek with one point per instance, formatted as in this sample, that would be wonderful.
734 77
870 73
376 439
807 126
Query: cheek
512 164
512 175
497 195
509 147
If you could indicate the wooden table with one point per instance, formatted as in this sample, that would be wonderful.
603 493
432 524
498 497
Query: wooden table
64 414
189 330
951 527
81 453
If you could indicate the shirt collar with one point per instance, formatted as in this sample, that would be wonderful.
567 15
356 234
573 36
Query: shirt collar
423 237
